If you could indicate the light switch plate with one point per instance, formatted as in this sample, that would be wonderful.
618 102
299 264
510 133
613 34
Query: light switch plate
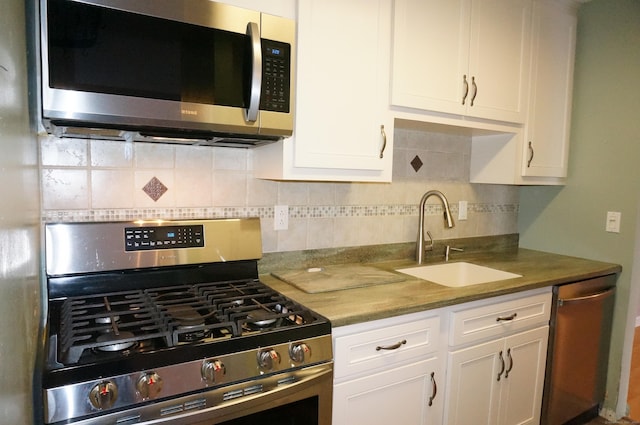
613 221
462 210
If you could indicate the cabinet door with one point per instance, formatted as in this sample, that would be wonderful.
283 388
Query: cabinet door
430 54
343 85
402 395
473 389
521 399
466 57
499 59
546 152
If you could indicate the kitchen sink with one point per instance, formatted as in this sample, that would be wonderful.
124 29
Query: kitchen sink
458 274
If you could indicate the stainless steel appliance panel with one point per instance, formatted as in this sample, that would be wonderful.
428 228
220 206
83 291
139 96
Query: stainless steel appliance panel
193 72
579 350
96 247
167 321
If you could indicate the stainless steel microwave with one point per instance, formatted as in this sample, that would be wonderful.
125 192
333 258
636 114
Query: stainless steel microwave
186 71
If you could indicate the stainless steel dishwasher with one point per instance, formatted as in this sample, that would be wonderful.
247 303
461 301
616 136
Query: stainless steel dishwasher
578 351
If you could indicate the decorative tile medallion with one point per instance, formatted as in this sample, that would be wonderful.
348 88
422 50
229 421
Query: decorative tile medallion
155 189
416 163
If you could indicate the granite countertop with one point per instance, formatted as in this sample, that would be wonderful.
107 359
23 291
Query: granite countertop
356 305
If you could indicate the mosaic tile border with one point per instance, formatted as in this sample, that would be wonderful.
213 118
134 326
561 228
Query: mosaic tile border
296 212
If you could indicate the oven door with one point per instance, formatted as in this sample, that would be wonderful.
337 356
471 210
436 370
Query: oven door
302 403
301 397
306 402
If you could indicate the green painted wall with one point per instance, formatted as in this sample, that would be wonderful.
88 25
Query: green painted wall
604 167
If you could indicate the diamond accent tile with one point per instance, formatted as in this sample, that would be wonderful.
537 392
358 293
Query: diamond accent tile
155 189
416 163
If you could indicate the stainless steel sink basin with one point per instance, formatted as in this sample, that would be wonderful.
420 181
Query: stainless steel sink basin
458 274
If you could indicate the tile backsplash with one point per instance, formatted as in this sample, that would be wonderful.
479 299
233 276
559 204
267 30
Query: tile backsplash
98 180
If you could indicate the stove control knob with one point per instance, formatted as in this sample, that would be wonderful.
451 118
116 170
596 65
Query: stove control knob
213 371
103 395
268 359
299 352
149 385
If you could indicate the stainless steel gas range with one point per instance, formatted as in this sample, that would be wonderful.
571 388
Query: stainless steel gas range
166 322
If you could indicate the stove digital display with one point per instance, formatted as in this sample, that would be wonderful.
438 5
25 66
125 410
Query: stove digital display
163 237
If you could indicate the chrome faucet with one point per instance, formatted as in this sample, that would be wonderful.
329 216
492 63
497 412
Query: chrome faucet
421 248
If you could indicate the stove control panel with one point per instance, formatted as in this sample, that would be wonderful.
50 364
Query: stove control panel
134 391
163 237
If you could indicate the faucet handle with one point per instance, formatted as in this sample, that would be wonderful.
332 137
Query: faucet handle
429 247
448 251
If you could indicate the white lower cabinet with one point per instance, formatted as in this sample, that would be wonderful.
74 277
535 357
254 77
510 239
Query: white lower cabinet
496 360
476 363
389 372
400 395
498 382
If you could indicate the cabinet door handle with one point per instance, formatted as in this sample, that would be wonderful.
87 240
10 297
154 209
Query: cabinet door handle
466 88
530 154
392 347
501 365
435 389
384 141
506 373
506 318
475 89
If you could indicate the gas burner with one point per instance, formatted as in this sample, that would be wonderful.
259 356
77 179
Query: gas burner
111 342
261 318
192 333
106 320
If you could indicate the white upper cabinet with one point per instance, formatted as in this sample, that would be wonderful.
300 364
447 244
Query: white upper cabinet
343 128
537 153
463 57
546 152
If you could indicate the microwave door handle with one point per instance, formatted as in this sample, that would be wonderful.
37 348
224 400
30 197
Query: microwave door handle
251 113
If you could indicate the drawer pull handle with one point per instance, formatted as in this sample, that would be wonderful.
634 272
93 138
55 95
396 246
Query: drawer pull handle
502 365
507 318
392 347
435 389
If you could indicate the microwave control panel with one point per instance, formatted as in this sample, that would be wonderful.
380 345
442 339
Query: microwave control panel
276 76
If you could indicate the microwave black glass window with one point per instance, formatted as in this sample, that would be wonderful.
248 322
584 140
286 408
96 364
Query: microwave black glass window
97 49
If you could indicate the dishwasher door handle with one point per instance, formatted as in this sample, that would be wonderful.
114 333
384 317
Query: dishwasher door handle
591 297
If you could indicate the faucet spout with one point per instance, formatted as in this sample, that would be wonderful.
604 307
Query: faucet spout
448 218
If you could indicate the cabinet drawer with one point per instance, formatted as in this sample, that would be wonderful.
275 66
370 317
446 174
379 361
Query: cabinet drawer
359 348
487 320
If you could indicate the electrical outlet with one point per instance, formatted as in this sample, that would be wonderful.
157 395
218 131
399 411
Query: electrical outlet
281 217
613 221
462 210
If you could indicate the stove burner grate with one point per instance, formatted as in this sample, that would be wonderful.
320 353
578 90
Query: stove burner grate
106 322
172 316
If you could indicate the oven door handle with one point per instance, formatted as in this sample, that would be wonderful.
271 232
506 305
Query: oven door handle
253 32
315 381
